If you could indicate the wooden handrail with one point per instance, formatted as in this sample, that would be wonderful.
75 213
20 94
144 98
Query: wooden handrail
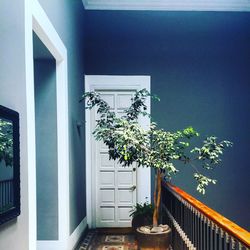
230 227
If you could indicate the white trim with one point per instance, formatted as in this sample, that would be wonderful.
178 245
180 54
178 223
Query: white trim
72 242
62 149
169 5
76 235
30 106
85 3
37 20
143 174
47 33
89 202
49 245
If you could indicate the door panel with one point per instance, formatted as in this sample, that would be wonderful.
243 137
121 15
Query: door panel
123 101
125 197
107 214
123 215
125 179
115 195
110 99
107 179
107 196
105 162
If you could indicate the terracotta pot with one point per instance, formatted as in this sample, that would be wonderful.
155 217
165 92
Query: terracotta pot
153 241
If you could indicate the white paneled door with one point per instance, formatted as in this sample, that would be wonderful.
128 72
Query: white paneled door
111 188
115 184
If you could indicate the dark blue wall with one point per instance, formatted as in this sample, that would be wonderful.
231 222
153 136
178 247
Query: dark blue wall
200 68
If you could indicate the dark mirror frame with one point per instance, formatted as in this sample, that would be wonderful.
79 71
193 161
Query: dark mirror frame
13 212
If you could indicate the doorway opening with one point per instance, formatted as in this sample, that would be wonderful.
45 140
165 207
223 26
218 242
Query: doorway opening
46 141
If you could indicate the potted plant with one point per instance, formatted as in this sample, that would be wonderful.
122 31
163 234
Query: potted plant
128 142
142 214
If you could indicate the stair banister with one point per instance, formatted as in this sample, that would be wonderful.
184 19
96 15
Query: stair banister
197 226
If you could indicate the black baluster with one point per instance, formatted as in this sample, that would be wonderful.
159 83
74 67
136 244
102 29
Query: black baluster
179 211
173 238
178 240
194 228
222 235
4 192
190 222
217 239
8 192
193 223
232 243
202 232
181 223
188 213
182 244
175 209
209 235
197 229
214 237
206 234
228 242
199 232
185 219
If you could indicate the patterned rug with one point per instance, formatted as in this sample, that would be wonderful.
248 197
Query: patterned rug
99 241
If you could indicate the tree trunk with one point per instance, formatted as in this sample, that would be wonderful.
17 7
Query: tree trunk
157 197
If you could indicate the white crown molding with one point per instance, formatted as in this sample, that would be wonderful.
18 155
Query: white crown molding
169 5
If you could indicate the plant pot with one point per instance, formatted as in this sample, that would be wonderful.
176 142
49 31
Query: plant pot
153 241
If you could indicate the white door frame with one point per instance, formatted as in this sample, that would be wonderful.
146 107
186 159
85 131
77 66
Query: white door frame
103 82
36 20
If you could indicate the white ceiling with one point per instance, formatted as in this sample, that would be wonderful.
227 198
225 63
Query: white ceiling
171 5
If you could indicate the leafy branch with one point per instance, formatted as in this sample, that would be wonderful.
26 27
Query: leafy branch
6 142
129 142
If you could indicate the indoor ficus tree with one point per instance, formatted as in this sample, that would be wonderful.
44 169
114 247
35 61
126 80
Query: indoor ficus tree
129 142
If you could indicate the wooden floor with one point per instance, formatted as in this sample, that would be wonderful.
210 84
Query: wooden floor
109 239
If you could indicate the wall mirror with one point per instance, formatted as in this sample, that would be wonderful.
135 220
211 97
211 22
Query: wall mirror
9 165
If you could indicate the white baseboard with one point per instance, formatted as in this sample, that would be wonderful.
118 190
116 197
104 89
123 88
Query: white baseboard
65 244
76 235
50 245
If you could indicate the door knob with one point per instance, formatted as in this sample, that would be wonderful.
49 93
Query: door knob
133 188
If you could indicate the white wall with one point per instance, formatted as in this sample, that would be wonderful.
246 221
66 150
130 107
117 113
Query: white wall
14 235
17 92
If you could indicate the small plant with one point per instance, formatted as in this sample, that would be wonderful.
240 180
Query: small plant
142 214
142 209
128 142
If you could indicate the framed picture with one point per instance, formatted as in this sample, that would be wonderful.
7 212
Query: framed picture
9 165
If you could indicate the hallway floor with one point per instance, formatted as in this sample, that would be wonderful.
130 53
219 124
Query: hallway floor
109 240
